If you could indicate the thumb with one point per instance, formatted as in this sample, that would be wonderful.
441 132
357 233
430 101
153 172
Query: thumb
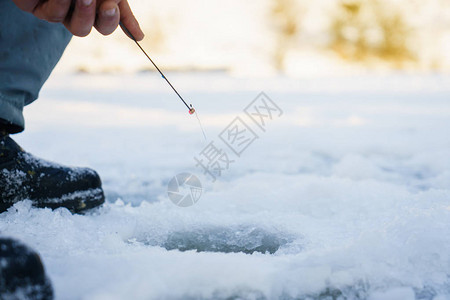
128 22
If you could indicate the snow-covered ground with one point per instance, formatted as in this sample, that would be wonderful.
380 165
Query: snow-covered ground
346 195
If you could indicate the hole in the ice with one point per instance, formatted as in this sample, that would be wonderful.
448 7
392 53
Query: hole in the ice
226 239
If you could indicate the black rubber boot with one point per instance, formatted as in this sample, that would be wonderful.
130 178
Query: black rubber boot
22 274
23 176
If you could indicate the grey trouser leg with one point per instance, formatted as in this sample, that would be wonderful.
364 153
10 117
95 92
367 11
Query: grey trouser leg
29 50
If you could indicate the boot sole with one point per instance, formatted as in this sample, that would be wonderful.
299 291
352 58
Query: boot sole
76 202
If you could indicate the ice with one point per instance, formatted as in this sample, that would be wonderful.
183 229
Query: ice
347 195
393 294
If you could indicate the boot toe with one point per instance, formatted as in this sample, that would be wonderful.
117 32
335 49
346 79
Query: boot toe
46 184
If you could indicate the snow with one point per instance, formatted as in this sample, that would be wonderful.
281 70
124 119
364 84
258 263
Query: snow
347 194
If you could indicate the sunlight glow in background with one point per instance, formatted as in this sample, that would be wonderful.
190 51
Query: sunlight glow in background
258 38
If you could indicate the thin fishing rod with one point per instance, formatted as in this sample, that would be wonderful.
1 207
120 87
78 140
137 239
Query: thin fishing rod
191 109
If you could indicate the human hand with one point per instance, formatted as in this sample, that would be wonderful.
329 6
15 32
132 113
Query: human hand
79 16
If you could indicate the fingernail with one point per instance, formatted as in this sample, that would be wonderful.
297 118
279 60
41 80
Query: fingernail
87 2
110 12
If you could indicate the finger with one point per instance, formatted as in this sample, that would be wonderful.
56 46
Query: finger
107 17
82 19
100 2
27 5
129 21
53 10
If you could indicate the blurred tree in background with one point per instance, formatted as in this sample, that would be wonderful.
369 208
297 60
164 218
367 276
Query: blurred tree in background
285 16
295 37
367 29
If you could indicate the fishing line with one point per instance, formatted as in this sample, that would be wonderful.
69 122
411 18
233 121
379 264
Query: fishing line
201 127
